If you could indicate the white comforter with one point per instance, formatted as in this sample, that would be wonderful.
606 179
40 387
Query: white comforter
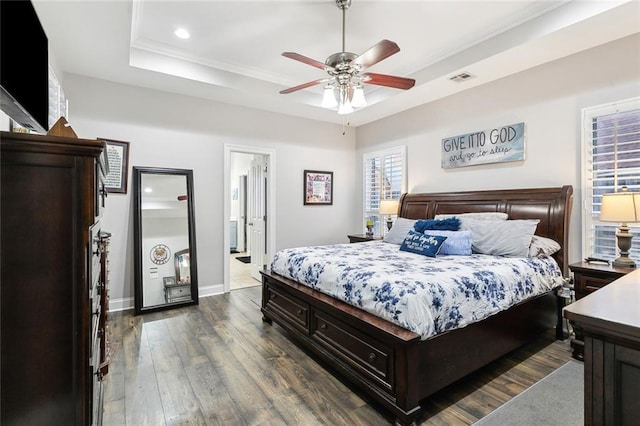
425 295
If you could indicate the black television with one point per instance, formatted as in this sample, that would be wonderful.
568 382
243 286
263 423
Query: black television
24 66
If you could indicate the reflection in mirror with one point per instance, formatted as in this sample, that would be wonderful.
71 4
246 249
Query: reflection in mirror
164 225
183 272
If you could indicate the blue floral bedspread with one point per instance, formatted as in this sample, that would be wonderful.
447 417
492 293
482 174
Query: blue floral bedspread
425 295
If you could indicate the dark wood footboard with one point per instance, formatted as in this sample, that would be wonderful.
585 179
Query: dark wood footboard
389 363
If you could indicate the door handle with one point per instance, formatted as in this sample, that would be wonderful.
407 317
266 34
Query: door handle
249 224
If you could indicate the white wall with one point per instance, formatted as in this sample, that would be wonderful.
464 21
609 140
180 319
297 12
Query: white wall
166 130
548 99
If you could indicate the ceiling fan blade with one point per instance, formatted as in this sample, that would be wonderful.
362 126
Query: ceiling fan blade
388 80
377 53
303 86
306 60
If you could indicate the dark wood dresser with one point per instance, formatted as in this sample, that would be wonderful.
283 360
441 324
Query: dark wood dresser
610 322
53 280
589 277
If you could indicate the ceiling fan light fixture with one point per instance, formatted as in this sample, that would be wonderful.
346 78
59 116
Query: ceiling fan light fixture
344 69
358 100
329 98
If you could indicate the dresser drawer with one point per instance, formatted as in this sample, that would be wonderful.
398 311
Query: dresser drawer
360 351
289 307
587 284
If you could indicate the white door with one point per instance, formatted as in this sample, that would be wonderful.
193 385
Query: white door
256 210
242 213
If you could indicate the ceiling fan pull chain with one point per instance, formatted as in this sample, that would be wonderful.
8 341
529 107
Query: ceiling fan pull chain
345 123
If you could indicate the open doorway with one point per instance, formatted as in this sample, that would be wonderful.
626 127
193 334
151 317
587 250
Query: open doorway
249 215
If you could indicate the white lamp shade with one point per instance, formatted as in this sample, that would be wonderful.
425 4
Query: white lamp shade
388 207
344 104
358 100
620 207
328 98
345 107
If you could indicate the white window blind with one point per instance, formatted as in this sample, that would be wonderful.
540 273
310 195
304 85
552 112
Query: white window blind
384 178
611 160
58 104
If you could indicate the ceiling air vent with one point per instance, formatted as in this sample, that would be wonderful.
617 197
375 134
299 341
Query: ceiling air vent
461 77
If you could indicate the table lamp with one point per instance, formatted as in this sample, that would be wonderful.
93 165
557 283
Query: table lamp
388 207
623 207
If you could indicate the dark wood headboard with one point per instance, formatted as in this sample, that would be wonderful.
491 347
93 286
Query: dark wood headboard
551 205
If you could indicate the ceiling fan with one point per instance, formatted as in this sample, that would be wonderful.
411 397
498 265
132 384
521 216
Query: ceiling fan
345 72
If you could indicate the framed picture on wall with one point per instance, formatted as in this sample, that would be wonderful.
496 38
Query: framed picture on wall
118 158
318 187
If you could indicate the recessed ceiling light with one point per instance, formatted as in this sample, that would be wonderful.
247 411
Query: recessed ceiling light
182 33
148 190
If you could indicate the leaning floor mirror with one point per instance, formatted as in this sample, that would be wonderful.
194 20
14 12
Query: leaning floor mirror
164 239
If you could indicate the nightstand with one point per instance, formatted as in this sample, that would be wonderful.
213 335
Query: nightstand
360 238
587 278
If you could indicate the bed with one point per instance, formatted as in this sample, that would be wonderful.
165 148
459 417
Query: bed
398 367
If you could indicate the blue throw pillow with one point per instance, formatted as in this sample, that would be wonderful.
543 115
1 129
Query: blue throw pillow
458 242
449 224
426 245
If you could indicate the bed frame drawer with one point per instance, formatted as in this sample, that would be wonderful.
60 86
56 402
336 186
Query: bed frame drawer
372 358
289 307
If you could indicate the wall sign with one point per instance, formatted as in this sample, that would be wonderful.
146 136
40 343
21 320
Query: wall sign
118 158
497 145
160 254
318 187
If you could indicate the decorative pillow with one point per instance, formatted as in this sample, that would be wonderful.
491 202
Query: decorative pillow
542 246
399 230
457 242
475 216
426 245
450 224
510 238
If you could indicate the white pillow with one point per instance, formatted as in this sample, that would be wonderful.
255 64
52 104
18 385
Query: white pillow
465 217
399 230
542 246
510 238
457 242
475 216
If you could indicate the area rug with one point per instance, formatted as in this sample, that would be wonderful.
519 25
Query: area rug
244 259
557 399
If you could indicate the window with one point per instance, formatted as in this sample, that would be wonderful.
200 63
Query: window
58 104
611 160
384 178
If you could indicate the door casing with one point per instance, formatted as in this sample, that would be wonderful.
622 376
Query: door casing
270 193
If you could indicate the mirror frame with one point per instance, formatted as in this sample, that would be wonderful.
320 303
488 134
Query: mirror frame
137 235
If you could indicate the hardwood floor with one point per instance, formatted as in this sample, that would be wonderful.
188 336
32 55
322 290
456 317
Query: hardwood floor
219 364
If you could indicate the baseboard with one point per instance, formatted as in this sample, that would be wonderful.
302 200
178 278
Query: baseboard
126 303
211 290
121 304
